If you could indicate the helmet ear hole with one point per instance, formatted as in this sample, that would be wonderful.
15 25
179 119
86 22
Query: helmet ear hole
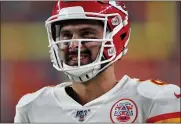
123 36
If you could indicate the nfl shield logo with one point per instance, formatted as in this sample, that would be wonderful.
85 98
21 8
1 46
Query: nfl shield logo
124 110
81 114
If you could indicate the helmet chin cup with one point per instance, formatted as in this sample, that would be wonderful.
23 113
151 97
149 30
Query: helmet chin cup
82 75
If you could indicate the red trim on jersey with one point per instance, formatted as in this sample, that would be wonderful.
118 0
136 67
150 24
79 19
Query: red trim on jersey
177 95
163 117
158 82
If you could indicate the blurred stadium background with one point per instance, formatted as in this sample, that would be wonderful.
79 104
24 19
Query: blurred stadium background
154 48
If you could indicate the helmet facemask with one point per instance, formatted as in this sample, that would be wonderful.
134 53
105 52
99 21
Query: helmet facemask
77 70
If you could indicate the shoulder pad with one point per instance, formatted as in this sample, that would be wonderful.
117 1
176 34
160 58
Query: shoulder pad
170 91
156 89
28 98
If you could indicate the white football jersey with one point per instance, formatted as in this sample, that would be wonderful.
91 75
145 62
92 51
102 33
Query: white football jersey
131 100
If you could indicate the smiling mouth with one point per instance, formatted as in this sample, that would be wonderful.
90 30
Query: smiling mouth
75 57
73 60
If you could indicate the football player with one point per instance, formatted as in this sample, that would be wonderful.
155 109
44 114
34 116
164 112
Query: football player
85 39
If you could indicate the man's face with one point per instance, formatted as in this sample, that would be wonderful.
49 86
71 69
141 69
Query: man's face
81 29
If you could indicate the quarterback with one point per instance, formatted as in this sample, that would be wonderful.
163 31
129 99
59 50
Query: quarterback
85 39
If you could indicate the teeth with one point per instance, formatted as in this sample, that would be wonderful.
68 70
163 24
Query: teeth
76 58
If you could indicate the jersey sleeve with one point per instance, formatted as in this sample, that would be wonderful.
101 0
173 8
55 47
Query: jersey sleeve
166 107
24 106
21 109
20 117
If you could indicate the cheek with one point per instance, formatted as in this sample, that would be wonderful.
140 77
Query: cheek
94 51
94 47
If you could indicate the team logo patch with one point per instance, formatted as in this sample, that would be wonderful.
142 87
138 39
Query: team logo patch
124 110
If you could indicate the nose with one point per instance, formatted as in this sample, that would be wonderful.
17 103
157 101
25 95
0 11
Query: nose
74 44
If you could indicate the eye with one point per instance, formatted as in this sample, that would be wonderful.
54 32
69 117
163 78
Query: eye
88 35
65 36
66 43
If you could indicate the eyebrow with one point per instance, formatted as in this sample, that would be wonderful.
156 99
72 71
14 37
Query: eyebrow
81 29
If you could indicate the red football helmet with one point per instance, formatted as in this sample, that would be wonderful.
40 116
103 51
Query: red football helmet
114 43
